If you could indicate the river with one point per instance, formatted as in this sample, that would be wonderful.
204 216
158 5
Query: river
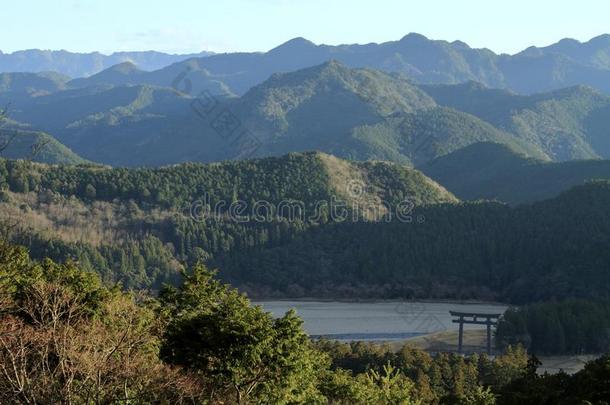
375 321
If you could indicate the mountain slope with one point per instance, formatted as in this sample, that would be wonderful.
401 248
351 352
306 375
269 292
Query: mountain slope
419 137
554 249
106 124
38 146
121 74
352 113
359 114
495 172
317 108
32 83
566 124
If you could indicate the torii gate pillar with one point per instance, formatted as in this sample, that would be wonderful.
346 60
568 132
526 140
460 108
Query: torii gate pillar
474 318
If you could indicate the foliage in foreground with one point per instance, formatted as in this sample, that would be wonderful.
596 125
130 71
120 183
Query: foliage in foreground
67 338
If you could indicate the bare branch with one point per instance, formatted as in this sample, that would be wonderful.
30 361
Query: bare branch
37 147
6 143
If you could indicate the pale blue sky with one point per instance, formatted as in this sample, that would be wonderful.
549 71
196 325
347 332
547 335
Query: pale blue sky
258 25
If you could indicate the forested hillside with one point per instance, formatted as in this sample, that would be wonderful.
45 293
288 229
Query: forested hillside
492 171
550 250
567 124
137 225
393 234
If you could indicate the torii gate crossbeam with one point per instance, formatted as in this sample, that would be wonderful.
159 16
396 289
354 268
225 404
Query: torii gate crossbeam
476 319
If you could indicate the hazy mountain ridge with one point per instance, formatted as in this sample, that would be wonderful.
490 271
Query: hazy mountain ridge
74 64
415 56
594 53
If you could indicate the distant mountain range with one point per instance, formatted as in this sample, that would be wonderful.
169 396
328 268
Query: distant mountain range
566 63
74 64
425 61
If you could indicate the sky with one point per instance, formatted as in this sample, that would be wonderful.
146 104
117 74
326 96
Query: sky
187 26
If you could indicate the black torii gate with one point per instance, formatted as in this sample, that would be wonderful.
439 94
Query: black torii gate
474 318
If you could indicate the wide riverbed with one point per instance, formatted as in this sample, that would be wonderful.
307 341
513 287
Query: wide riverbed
377 320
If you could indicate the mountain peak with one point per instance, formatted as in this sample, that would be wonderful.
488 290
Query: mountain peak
119 74
414 36
460 44
295 44
124 68
570 41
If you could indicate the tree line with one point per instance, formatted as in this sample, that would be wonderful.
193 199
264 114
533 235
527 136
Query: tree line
572 326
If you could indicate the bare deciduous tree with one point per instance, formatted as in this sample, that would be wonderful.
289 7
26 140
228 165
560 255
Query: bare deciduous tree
5 143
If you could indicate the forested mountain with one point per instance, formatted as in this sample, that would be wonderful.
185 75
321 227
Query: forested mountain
137 225
496 172
565 64
567 124
75 64
352 113
31 84
357 114
124 125
121 74
550 250
17 143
